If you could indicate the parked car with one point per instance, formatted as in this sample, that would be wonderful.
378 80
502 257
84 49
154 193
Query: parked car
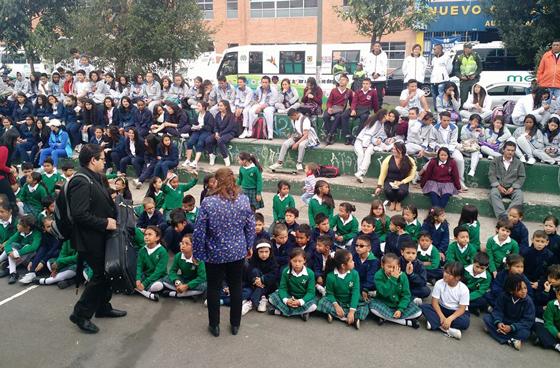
502 92
395 83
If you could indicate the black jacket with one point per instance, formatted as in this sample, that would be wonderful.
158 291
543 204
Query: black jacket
90 205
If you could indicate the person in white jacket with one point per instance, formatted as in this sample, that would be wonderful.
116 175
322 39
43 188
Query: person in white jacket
479 102
242 104
534 104
414 66
442 66
375 65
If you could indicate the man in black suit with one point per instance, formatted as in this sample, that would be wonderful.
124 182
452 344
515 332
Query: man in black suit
93 213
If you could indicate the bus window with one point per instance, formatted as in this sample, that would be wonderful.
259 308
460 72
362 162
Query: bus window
352 58
255 62
228 65
292 62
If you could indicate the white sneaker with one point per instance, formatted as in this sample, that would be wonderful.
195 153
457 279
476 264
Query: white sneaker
206 303
417 301
557 347
212 159
428 326
28 278
523 159
246 307
454 333
359 177
227 162
244 134
299 166
471 173
193 165
137 183
321 289
78 148
490 158
531 161
186 163
275 166
516 344
262 305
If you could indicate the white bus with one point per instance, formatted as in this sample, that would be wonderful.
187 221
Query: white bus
17 62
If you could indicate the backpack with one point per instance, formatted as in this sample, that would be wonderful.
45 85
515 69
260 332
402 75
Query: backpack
497 111
328 171
259 129
507 111
62 224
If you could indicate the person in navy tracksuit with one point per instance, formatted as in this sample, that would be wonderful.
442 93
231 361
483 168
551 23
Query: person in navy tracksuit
22 108
167 157
225 129
366 264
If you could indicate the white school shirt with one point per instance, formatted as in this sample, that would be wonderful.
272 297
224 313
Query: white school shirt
451 297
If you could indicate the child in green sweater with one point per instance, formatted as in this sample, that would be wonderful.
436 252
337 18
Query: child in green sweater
382 221
31 194
478 280
548 333
190 209
499 246
282 201
413 226
343 291
63 268
344 225
50 176
156 193
461 250
187 275
151 265
250 179
48 210
20 247
8 223
429 255
174 192
469 219
321 202
393 300
296 294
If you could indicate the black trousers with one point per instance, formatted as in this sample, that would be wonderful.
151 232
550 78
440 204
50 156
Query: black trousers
379 86
395 195
232 273
97 293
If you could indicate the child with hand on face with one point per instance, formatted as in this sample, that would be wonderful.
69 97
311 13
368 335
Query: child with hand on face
548 333
414 271
499 246
544 292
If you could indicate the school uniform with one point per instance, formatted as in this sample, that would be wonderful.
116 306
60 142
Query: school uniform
554 246
547 332
159 199
31 197
282 252
292 232
382 228
417 279
317 263
174 196
474 234
50 180
299 286
450 299
394 241
191 215
536 262
497 287
517 313
433 271
151 267
413 229
541 297
8 228
186 271
478 286
169 160
440 234
317 233
280 205
66 263
267 271
250 181
172 239
317 206
393 294
24 244
374 240
366 270
348 229
262 235
520 234
344 290
145 220
498 251
464 255
48 248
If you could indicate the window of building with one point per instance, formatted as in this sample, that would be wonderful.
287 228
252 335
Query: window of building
255 62
283 8
292 62
207 7
396 52
231 9
229 64
352 58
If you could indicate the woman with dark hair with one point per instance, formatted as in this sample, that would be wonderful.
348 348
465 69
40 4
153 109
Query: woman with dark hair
7 147
108 112
26 142
167 157
40 110
42 135
22 108
123 88
479 102
529 139
89 117
151 143
115 149
201 129
225 129
98 88
138 88
134 152
312 99
176 121
449 101
224 233
535 104
55 108
414 66
395 174
440 178
126 114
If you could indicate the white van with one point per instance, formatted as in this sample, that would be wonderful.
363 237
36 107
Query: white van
18 63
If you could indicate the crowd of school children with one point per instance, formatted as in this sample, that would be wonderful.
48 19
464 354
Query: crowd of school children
334 264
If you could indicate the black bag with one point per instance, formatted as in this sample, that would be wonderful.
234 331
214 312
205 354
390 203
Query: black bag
62 224
328 171
120 254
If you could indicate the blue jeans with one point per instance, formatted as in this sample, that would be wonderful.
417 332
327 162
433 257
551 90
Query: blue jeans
162 167
75 133
461 323
437 89
306 197
197 140
211 143
21 151
55 153
438 201
136 161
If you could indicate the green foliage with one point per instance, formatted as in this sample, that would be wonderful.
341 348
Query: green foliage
379 18
527 27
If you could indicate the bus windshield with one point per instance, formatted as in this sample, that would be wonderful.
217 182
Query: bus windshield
228 65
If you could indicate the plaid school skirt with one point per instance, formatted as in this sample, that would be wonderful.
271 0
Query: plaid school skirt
277 303
412 310
252 194
327 307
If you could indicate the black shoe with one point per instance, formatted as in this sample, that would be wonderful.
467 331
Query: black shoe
305 317
380 321
13 278
348 140
110 313
165 293
215 331
234 330
84 324
65 283
328 139
414 323
5 272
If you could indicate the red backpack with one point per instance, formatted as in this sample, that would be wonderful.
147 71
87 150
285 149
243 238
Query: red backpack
328 171
259 129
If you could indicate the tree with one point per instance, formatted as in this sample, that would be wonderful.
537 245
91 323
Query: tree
526 27
376 19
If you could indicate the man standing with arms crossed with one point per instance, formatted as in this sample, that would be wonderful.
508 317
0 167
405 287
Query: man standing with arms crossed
375 64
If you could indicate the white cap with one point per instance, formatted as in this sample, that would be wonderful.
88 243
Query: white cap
54 122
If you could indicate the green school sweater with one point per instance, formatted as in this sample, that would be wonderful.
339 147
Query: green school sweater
191 216
159 199
174 197
465 257
430 255
250 177
382 228
391 291
344 290
50 181
29 243
279 206
300 287
138 240
186 271
8 229
498 253
474 234
413 229
478 285
551 317
316 207
68 256
33 199
348 230
151 267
